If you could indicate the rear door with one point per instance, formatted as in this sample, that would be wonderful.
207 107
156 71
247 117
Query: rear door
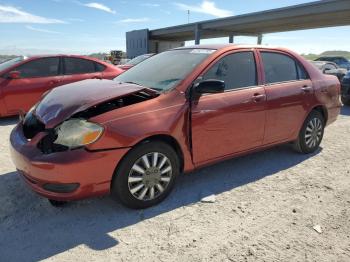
288 91
233 121
77 69
36 77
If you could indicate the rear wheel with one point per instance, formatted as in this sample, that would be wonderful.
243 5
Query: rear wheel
311 133
345 100
56 203
146 175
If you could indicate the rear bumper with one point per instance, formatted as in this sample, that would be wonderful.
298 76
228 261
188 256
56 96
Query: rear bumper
63 176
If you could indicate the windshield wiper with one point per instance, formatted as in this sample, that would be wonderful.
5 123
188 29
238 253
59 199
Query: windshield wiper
158 90
130 82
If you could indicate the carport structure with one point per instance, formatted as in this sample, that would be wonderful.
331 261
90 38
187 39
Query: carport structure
319 14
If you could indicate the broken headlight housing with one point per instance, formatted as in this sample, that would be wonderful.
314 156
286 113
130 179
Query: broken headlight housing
76 133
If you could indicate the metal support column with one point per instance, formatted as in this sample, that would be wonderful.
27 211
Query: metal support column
231 39
197 34
260 38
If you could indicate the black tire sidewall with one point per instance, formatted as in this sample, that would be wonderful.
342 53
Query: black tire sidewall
303 146
120 187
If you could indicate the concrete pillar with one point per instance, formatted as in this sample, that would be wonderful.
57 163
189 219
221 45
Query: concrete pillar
197 34
260 38
231 39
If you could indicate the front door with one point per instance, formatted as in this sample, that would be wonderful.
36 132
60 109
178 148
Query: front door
36 77
232 121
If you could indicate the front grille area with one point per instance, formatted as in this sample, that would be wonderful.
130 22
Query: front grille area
47 145
32 126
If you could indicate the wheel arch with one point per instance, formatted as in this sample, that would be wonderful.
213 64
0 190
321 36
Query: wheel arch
171 141
162 138
323 110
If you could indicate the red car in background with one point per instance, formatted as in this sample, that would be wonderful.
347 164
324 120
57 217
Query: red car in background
135 61
24 80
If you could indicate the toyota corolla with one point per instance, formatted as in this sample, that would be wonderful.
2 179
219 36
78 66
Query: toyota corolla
175 112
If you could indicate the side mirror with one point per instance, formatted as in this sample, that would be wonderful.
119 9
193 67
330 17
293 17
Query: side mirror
14 75
210 86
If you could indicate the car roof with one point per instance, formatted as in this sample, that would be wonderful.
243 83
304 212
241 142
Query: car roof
330 56
232 46
62 55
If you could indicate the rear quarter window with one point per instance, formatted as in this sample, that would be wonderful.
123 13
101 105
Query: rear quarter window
100 67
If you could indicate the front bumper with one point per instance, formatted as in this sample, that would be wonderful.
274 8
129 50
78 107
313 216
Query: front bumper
63 176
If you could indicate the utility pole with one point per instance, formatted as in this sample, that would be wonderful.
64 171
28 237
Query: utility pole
188 16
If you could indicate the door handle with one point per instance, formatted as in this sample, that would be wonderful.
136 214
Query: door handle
258 97
306 89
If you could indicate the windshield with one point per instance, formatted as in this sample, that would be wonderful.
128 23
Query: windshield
138 59
9 63
164 71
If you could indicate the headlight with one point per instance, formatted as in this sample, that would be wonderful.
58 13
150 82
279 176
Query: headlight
77 132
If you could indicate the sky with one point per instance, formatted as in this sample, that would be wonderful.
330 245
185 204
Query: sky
87 26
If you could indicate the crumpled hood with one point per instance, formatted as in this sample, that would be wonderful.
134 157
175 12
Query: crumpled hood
65 101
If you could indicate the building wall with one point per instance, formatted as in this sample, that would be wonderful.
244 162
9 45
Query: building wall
156 46
137 43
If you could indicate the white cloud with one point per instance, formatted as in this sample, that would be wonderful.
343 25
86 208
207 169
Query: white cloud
150 5
76 19
135 20
9 14
32 28
206 7
100 7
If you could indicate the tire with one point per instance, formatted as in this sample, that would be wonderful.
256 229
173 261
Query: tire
138 186
345 101
56 203
311 133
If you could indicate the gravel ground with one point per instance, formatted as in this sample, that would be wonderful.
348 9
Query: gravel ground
266 207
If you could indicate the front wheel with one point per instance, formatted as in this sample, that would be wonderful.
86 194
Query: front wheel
146 175
311 133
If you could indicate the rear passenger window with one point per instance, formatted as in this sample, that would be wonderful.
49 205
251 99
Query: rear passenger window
78 66
281 68
237 70
43 67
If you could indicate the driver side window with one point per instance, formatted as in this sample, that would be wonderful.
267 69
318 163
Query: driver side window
43 67
238 70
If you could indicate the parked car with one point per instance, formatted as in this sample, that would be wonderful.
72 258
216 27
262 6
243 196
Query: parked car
345 89
175 112
330 68
339 60
23 80
135 61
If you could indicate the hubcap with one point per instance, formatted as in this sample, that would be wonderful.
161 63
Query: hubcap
149 176
313 132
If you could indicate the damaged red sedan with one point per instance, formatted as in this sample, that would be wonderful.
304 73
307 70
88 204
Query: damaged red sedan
173 113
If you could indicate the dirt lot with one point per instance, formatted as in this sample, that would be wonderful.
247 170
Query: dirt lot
266 207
